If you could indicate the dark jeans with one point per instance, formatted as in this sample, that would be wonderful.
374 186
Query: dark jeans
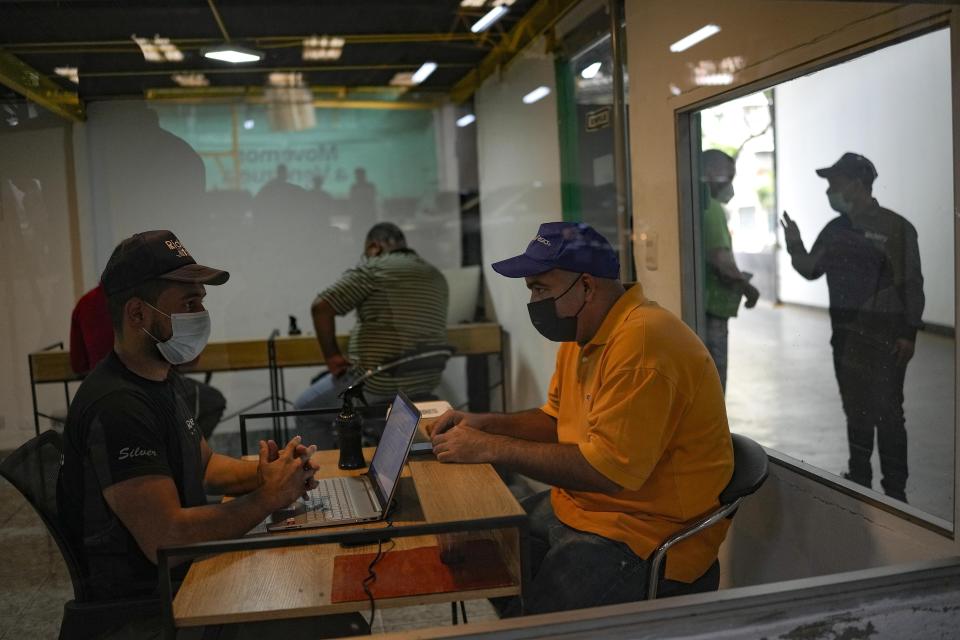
717 345
573 569
871 389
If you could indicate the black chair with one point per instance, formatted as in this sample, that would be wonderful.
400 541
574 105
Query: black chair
750 470
425 359
33 470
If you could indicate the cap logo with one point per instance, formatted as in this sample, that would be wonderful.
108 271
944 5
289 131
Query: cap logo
543 240
176 247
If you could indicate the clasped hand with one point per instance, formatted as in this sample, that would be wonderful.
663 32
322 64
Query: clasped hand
286 474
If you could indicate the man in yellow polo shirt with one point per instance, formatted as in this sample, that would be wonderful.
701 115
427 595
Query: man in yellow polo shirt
633 436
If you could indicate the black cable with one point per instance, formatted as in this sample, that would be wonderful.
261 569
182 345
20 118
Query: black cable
371 574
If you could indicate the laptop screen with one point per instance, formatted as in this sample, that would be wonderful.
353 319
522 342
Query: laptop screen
394 445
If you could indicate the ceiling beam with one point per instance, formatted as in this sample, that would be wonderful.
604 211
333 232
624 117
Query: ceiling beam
261 70
540 18
216 16
30 83
121 46
328 97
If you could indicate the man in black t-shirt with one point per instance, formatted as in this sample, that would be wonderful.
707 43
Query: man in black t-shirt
871 258
136 469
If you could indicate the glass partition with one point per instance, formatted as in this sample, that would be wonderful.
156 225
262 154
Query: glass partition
827 269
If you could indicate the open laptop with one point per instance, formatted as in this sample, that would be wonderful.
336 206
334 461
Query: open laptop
365 498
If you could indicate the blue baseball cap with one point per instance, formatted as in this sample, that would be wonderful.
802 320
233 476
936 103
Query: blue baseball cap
573 246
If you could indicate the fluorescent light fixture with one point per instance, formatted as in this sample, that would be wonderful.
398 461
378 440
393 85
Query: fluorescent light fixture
191 79
491 16
466 120
158 49
70 73
323 48
537 94
423 72
472 4
402 79
248 124
713 79
699 35
232 53
590 70
285 79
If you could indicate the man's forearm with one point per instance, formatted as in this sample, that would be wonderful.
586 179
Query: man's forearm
230 476
533 424
560 465
325 326
223 521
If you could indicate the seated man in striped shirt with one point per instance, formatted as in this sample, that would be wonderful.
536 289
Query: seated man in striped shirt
401 303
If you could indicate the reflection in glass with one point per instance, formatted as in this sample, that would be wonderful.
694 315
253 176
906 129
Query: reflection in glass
847 361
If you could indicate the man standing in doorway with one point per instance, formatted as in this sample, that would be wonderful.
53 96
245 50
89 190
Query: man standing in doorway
725 283
871 258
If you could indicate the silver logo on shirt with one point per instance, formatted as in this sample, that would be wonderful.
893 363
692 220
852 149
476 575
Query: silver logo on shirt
136 452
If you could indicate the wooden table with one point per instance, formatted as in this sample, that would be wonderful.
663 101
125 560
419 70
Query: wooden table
244 583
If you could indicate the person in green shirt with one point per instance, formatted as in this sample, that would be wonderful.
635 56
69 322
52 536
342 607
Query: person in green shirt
725 283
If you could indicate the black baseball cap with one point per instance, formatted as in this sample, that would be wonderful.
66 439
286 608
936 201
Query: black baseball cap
154 254
573 246
851 165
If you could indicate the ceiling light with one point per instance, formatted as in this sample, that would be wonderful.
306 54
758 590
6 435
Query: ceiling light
402 79
468 119
590 70
713 79
537 94
323 48
232 53
472 4
699 35
285 79
158 49
423 72
491 16
248 124
70 73
191 79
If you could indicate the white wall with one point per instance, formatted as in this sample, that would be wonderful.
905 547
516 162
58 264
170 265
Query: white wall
519 169
36 275
894 107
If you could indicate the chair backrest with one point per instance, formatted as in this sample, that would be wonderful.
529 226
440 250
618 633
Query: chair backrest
33 469
420 360
750 468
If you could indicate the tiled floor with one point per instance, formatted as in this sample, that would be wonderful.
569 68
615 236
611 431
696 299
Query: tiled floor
34 582
782 391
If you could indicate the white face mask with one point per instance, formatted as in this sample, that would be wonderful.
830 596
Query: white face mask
191 331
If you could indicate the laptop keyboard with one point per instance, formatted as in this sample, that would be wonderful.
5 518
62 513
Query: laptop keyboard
328 501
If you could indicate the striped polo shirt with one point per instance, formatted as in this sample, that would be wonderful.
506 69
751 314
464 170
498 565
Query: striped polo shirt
401 302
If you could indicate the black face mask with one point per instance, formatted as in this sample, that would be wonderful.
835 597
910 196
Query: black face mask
543 315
